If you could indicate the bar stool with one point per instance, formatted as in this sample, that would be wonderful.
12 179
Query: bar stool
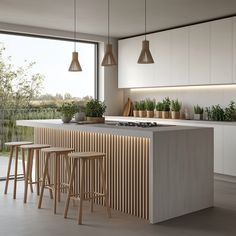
32 149
55 152
14 146
84 157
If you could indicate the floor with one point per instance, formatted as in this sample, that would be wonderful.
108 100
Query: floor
19 219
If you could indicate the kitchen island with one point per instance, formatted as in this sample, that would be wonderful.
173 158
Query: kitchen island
156 173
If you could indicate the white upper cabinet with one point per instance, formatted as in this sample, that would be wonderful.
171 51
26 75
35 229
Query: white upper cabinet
130 73
179 57
221 51
160 48
195 55
199 54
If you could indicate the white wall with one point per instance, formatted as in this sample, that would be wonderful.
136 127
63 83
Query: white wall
108 79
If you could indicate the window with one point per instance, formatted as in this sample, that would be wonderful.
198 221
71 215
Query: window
52 58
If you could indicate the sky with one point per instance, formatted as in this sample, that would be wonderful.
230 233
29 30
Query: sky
53 58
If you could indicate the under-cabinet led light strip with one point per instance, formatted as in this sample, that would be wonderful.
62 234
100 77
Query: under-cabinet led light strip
197 87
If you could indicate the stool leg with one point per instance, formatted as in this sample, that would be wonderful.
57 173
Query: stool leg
49 183
31 170
23 162
43 181
27 174
37 171
92 182
72 176
58 179
102 170
55 183
82 169
15 177
9 168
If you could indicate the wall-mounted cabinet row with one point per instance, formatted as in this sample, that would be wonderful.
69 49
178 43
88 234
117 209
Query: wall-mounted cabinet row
201 54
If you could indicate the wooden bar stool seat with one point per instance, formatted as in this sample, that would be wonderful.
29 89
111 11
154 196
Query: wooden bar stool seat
84 157
54 152
32 149
14 146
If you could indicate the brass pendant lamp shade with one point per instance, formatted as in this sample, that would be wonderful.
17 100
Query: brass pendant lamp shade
108 59
145 55
75 65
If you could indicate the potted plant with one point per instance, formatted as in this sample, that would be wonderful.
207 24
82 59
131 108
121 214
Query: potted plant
67 110
80 113
136 109
95 110
230 112
198 112
175 107
142 109
159 109
150 106
166 108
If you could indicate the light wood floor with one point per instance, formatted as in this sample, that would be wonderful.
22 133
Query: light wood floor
18 219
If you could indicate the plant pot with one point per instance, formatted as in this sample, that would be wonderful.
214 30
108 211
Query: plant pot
96 119
142 113
198 116
150 114
136 113
165 114
158 114
79 116
66 119
175 115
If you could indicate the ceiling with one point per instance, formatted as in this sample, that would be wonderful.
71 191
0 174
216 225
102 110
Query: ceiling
126 19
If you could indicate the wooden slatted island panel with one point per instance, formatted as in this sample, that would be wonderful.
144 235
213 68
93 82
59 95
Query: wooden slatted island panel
154 173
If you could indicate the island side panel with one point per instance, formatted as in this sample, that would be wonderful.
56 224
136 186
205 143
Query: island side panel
127 165
181 173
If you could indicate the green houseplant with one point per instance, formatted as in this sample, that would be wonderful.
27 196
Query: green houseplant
175 107
166 108
142 109
150 106
67 111
159 109
198 112
95 110
136 109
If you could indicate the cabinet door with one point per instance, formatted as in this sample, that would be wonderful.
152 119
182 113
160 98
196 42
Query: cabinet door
179 57
199 54
229 150
218 149
221 51
130 73
161 51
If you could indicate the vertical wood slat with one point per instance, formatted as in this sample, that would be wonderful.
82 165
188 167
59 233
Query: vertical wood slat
127 162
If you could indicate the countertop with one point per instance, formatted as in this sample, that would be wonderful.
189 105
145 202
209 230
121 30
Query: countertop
109 127
197 123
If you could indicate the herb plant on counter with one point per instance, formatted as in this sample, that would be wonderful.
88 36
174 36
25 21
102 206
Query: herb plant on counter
230 111
150 106
95 108
198 112
175 107
142 109
136 109
67 110
166 108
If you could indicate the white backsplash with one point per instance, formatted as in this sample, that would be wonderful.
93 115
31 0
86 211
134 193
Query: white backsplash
189 96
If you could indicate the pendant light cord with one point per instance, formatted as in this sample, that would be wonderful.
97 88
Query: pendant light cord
108 21
145 18
75 25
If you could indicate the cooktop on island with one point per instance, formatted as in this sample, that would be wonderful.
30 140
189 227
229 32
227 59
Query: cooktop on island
137 124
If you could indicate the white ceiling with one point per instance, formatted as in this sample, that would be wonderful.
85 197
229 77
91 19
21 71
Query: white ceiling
127 16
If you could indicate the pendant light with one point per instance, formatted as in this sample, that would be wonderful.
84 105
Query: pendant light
145 56
108 59
75 65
